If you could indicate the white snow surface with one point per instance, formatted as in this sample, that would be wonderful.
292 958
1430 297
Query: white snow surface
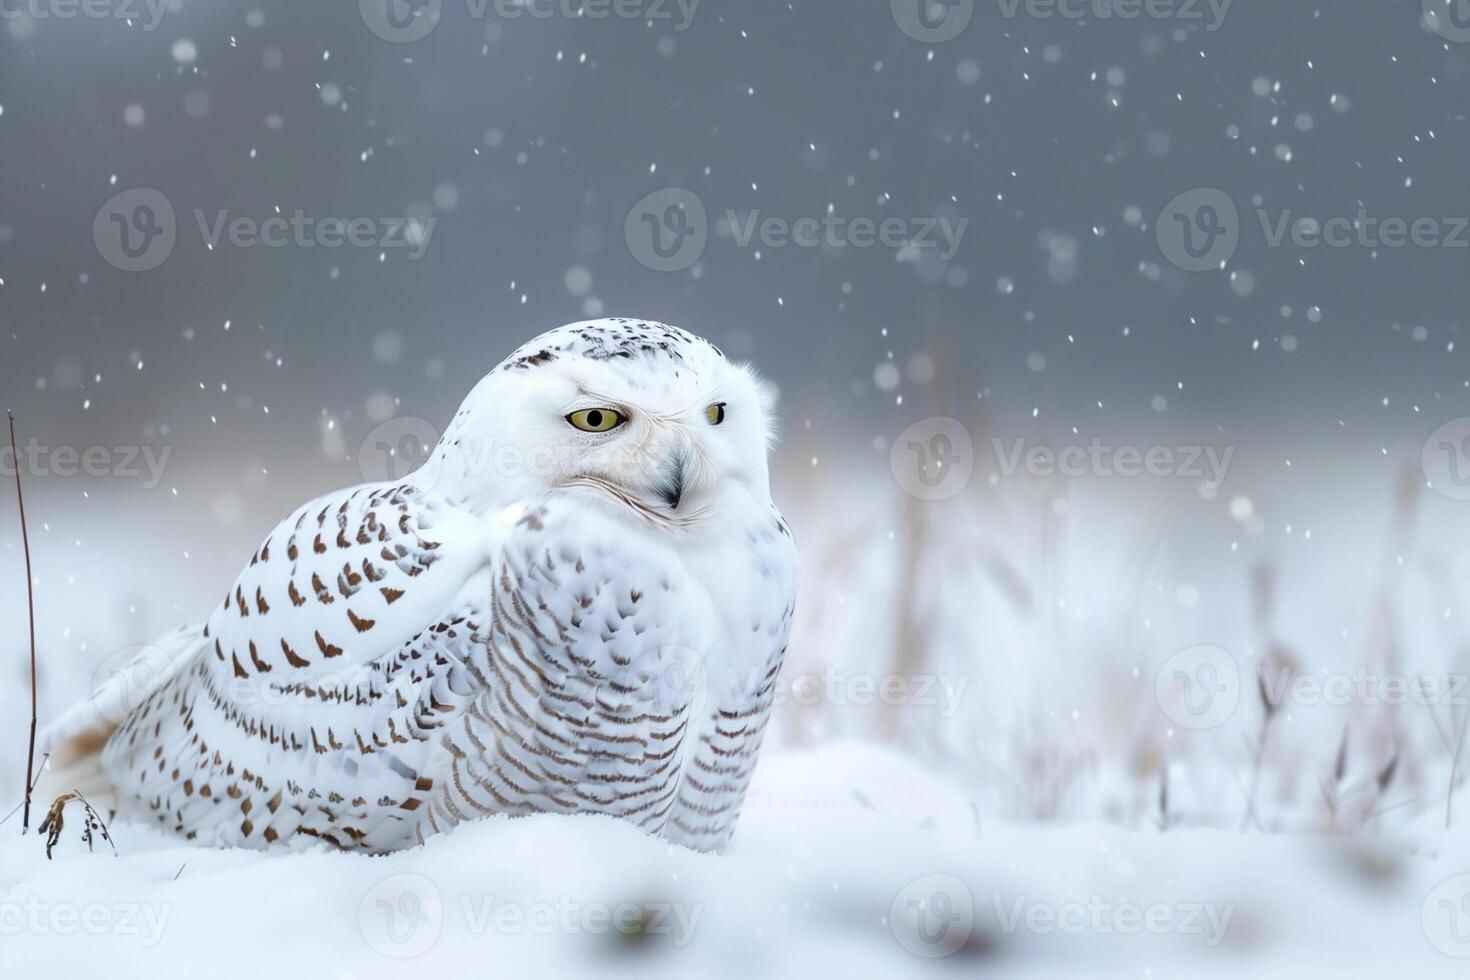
839 851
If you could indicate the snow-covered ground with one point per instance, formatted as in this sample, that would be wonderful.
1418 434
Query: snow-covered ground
1021 840
850 861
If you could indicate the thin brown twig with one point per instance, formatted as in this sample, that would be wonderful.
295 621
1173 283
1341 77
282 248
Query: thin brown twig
55 822
25 820
16 809
1449 802
1259 761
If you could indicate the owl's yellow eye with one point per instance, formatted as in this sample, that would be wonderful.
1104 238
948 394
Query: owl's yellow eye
596 419
715 413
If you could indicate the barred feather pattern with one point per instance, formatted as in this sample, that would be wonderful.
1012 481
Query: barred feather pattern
282 729
598 633
563 678
607 692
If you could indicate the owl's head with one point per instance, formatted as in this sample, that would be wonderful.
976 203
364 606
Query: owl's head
640 417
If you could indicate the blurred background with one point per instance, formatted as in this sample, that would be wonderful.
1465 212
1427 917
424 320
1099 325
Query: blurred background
1092 449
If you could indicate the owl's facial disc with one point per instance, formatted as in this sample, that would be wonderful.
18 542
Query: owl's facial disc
654 459
662 449
642 419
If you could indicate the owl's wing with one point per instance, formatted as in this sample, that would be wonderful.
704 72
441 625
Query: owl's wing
344 581
334 627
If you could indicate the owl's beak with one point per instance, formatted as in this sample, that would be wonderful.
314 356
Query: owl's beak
671 486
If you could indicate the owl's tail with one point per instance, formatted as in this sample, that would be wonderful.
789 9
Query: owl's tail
73 743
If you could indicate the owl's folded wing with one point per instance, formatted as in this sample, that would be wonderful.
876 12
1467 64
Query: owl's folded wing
344 581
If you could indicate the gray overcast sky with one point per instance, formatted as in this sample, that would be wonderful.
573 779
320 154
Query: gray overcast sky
1053 142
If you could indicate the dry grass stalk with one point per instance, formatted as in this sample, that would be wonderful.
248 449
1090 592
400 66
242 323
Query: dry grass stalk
94 827
16 809
25 820
1332 790
1166 820
1449 802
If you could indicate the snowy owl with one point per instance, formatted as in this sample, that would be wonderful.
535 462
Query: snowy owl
578 604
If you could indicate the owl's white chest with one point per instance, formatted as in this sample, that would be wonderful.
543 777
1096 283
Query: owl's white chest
721 592
747 570
629 670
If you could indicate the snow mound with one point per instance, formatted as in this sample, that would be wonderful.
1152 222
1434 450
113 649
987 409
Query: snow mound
851 861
